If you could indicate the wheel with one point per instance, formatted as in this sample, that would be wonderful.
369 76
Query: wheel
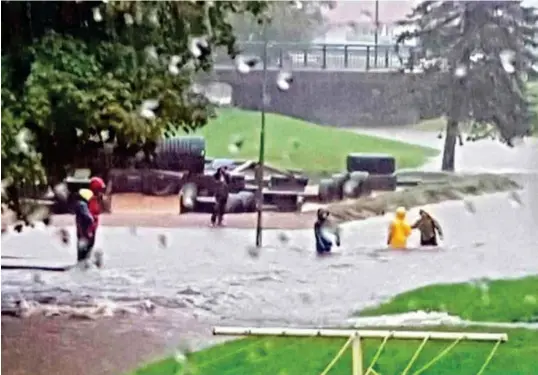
338 184
326 190
371 163
234 204
249 200
237 182
382 182
163 185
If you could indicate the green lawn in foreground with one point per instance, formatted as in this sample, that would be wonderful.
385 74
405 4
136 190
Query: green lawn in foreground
301 356
319 148
496 301
508 301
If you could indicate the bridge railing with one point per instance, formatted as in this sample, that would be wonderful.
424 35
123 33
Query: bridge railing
363 57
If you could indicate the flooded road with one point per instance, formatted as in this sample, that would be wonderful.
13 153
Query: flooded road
211 274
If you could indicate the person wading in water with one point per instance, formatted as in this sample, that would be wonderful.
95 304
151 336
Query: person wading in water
221 195
429 229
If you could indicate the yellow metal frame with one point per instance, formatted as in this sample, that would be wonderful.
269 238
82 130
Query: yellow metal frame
355 341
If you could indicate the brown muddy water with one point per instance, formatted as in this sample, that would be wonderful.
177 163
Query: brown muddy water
149 296
211 273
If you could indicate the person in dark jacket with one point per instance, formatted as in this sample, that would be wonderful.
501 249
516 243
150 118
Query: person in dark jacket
429 229
323 243
221 195
85 224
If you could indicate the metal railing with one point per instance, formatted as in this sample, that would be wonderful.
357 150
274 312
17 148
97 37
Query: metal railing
362 57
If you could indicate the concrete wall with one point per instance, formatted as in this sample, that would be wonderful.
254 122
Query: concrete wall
339 98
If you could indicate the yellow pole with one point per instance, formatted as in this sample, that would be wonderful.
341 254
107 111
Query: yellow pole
356 355
337 356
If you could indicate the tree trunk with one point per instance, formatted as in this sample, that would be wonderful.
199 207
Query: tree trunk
449 151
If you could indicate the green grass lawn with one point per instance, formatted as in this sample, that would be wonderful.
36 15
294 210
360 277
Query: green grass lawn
508 301
298 356
495 301
296 144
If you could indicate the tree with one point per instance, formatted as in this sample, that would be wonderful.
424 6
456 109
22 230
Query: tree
289 22
78 76
481 53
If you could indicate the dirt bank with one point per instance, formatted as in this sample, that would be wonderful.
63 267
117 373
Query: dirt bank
146 211
107 346
438 187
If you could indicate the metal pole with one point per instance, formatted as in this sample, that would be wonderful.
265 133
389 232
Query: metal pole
376 35
261 158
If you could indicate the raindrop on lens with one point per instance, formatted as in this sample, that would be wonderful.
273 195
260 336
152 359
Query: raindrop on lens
129 20
284 80
283 238
163 240
507 61
97 17
245 64
460 71
199 47
188 194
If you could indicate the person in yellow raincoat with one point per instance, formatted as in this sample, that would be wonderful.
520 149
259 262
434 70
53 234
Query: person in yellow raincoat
399 230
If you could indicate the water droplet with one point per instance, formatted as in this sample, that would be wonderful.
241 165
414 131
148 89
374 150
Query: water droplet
199 47
507 60
97 17
236 143
253 251
350 188
129 20
284 80
283 237
244 64
188 194
153 17
460 71
99 258
469 205
530 299
64 236
151 53
22 141
515 199
298 5
163 240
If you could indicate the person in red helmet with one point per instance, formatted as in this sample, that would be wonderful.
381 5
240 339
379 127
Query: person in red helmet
97 187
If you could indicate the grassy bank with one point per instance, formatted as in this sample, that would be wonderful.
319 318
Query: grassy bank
495 301
293 143
508 301
292 356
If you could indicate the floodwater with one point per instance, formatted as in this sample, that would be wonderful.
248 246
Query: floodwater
213 275
210 272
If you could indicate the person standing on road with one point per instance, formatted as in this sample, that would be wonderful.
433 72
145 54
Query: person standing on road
429 229
221 195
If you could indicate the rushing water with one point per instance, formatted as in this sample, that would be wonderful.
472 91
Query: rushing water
211 273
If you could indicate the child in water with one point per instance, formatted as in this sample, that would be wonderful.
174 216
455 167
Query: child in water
85 224
323 244
399 230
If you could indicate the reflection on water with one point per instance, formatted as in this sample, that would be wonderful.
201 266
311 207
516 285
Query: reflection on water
209 272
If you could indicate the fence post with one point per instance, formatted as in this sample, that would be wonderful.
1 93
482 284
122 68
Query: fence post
356 355
346 56
386 57
367 58
324 57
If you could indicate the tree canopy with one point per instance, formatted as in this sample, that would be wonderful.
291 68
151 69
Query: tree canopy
482 53
79 75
